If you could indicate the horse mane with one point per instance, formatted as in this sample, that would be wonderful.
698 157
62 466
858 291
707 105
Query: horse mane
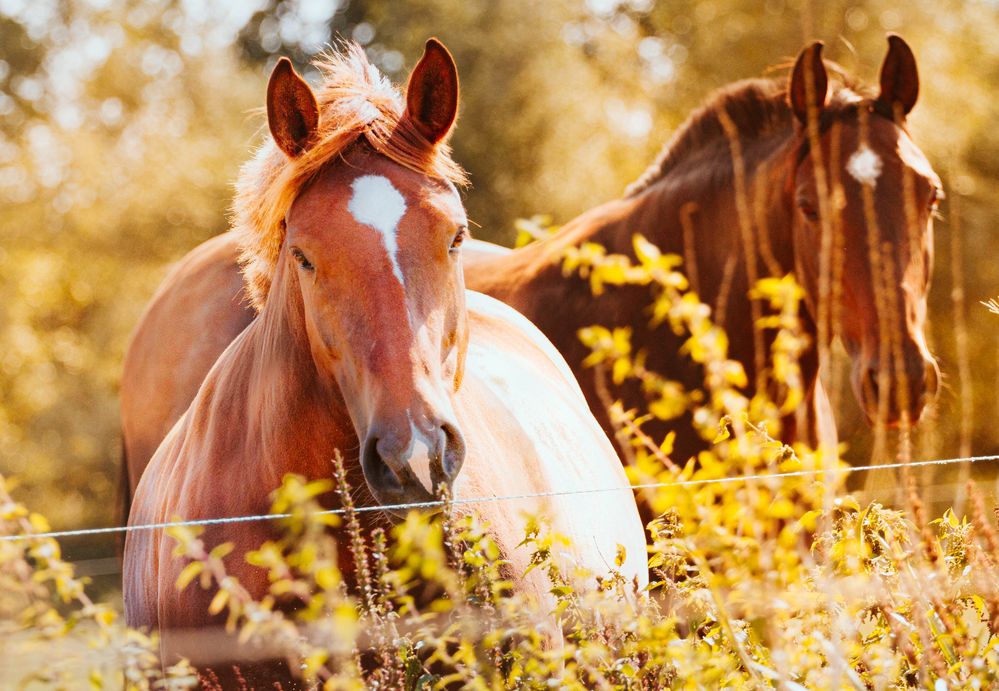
757 107
356 104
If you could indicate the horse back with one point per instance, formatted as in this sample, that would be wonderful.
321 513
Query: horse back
197 311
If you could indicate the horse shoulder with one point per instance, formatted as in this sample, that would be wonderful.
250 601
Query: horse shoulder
182 480
141 557
186 480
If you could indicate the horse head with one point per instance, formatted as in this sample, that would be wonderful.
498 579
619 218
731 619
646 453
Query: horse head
874 191
371 259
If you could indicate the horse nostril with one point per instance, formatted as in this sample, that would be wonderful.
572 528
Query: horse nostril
377 472
869 384
453 455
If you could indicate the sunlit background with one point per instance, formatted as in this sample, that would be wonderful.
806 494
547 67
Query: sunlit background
122 126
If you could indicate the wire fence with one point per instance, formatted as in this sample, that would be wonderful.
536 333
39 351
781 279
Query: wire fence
499 498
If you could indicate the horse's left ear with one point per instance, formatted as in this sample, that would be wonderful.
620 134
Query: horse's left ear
808 76
292 111
899 77
432 92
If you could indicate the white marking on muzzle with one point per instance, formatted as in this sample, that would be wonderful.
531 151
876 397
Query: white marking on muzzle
377 203
417 457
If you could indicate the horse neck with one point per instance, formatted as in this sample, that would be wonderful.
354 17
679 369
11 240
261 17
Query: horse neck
720 213
694 210
730 230
295 417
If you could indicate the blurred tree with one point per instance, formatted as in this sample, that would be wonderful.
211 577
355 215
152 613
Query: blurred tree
126 144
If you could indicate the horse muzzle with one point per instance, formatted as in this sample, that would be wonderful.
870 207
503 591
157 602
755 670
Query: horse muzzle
411 467
901 395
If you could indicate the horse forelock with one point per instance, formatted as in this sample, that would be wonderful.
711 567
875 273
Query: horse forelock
756 107
356 104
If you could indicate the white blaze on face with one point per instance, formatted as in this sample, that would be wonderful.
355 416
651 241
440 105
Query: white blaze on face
865 166
377 203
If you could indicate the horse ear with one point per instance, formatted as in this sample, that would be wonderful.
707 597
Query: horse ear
808 75
432 92
899 76
292 110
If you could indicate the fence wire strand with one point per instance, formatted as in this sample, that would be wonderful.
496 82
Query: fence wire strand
484 500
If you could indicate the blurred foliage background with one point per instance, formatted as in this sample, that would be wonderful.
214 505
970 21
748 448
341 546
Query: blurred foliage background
123 123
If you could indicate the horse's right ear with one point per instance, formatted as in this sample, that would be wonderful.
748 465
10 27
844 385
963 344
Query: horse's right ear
899 77
808 78
432 92
292 110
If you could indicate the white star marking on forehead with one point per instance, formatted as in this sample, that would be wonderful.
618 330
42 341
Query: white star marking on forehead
865 166
377 203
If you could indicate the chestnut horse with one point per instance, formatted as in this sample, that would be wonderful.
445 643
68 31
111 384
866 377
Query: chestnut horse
367 342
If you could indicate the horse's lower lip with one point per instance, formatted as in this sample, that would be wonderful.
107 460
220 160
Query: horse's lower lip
391 503
400 514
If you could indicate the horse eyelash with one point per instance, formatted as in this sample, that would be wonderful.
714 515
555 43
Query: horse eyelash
460 237
302 260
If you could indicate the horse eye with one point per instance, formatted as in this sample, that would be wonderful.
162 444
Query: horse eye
806 208
301 259
459 238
